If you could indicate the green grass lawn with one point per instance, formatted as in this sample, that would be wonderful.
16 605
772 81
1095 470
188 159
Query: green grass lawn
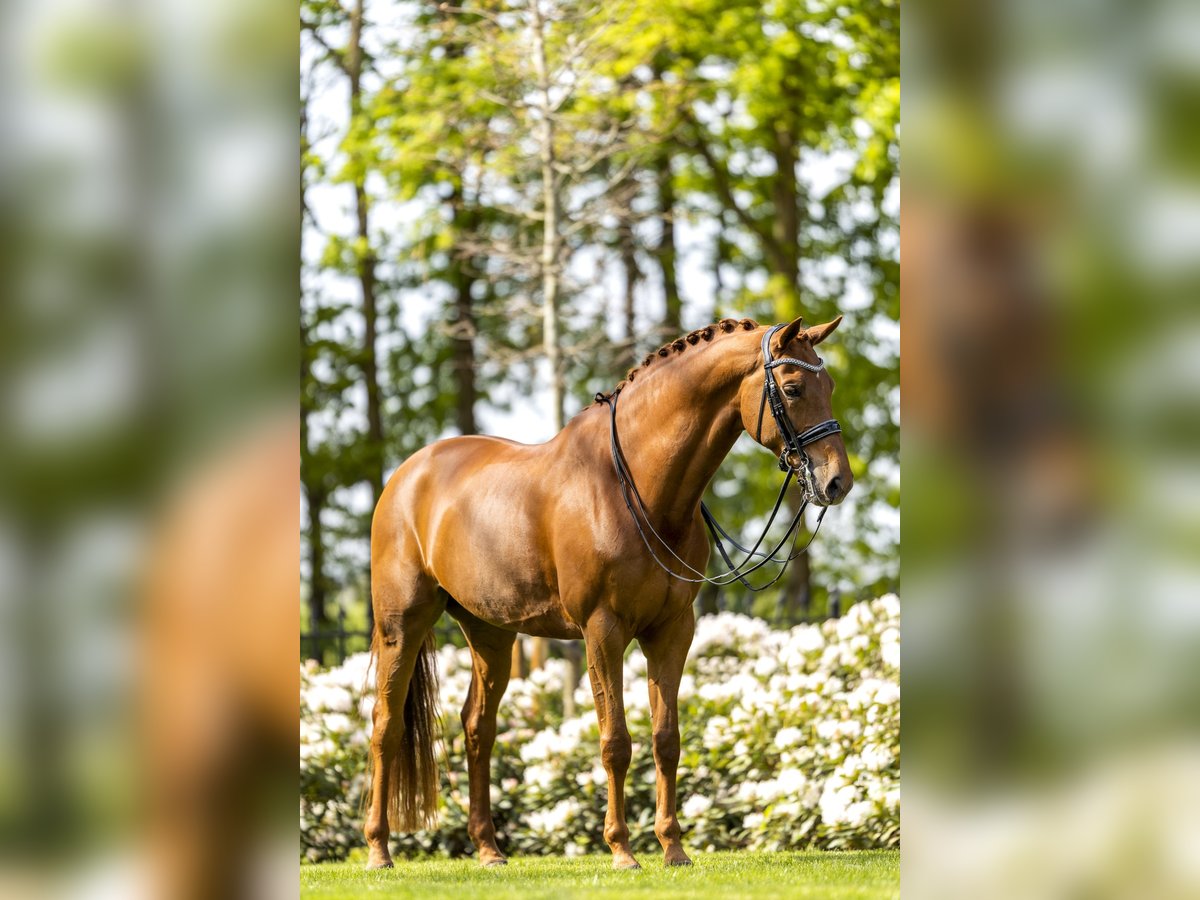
811 874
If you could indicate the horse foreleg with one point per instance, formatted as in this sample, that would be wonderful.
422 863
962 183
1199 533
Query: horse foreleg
606 644
491 651
666 652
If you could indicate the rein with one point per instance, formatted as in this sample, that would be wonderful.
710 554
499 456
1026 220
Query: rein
793 445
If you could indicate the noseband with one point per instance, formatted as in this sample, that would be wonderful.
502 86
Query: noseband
793 445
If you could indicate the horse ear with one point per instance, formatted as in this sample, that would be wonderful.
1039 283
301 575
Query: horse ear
818 333
789 334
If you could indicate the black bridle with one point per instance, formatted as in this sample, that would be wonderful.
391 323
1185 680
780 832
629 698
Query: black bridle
793 444
793 447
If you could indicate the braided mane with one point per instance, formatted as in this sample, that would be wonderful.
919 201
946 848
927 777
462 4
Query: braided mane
668 350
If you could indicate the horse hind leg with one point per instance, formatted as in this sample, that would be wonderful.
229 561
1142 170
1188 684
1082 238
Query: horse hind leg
404 771
491 654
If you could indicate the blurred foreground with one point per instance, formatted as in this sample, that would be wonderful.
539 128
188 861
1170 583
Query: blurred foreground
1051 229
1051 263
148 508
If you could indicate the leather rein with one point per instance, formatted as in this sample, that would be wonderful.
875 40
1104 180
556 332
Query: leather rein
793 447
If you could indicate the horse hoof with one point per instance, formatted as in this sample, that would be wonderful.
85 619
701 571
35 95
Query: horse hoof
682 861
491 863
626 864
384 864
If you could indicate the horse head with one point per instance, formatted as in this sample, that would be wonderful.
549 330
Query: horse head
805 390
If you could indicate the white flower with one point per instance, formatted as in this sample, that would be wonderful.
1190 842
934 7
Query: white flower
550 743
814 712
552 820
788 737
791 782
887 693
835 800
891 655
637 700
715 730
807 638
329 698
687 687
366 707
712 692
540 775
889 605
876 757
857 813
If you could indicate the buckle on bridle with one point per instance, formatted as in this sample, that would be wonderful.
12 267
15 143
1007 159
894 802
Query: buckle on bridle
803 471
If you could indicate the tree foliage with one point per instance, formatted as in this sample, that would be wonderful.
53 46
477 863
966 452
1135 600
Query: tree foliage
693 158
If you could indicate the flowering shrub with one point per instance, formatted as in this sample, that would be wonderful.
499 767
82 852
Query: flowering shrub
789 739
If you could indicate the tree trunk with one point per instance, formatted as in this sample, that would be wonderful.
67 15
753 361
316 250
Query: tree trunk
797 593
786 197
665 252
463 273
318 608
318 616
551 247
628 249
796 602
551 206
318 619
462 277
518 659
366 279
573 654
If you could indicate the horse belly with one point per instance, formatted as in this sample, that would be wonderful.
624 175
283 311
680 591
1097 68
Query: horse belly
496 574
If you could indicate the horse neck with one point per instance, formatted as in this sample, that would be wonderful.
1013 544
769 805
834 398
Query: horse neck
678 423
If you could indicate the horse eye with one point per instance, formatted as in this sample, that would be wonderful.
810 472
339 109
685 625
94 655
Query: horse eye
792 391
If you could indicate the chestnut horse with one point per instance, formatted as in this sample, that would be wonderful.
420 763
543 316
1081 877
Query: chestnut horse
536 539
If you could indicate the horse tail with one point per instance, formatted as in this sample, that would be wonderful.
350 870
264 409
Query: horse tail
414 778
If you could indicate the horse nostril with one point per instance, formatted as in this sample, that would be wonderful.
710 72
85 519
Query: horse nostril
833 490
